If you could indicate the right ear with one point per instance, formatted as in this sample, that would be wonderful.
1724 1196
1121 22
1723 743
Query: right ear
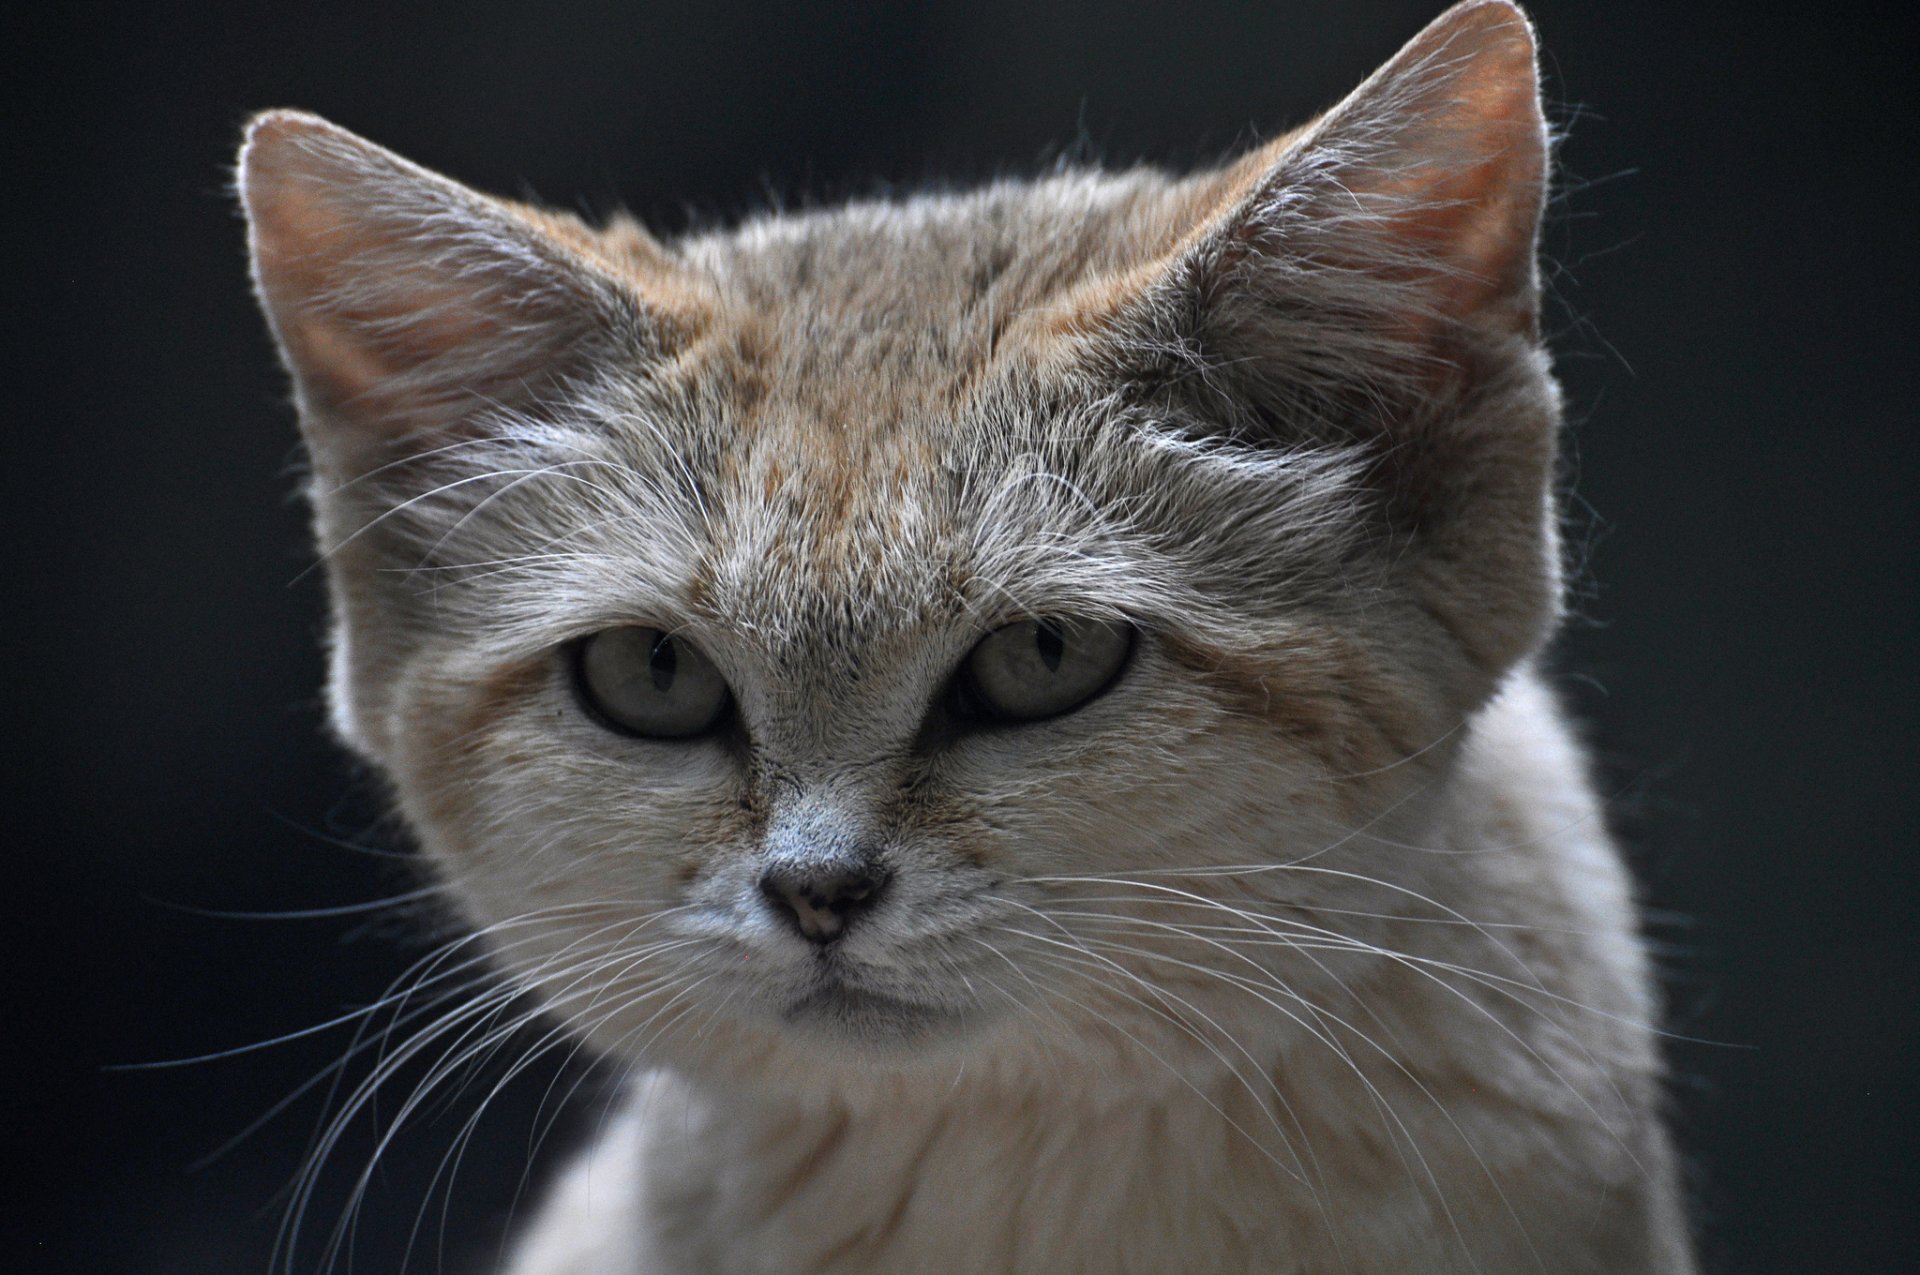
408 306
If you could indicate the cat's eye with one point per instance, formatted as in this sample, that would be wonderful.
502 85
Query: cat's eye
648 682
1033 669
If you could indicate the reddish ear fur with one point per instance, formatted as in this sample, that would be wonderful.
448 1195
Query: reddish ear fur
1370 280
405 303
1372 245
1450 153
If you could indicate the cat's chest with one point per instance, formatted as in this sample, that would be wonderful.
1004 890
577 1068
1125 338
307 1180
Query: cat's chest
1225 1182
913 1193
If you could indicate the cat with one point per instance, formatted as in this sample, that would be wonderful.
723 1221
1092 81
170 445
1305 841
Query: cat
1013 716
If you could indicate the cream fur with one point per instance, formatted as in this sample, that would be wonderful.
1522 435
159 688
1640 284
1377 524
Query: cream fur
1302 949
1098 1169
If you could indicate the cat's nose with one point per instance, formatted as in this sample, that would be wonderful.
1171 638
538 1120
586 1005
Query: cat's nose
822 900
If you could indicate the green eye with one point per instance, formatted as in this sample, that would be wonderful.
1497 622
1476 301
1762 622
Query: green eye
643 681
1042 668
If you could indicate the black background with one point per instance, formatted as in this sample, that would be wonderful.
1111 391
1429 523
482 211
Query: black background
1733 278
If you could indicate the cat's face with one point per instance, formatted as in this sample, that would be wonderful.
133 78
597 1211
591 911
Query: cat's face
910 628
839 689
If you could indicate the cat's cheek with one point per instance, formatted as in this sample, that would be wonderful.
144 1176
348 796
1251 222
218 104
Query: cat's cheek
1336 702
450 727
491 763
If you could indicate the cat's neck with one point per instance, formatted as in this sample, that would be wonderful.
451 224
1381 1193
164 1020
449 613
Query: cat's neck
1217 1172
1039 1176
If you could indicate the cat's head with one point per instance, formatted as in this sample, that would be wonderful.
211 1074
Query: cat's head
910 623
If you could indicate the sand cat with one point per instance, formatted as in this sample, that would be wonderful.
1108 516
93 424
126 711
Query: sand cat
1011 716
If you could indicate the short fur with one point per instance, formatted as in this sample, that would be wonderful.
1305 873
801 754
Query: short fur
1303 949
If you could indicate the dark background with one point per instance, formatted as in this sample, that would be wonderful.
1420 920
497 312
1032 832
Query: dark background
1733 278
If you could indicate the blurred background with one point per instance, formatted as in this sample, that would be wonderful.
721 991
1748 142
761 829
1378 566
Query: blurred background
1732 263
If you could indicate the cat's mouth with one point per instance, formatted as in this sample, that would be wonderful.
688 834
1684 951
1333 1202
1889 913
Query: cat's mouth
841 1007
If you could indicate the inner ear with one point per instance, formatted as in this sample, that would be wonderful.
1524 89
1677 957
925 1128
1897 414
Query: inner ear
1442 158
1366 253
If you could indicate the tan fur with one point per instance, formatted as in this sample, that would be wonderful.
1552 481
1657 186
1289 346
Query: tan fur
1302 948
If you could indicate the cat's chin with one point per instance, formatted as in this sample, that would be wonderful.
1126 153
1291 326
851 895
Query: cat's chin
851 1012
886 1028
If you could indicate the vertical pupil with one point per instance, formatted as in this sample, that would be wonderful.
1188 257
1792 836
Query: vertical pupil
661 663
1051 643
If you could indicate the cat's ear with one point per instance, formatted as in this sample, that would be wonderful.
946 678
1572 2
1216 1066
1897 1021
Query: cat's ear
1374 249
1369 284
408 306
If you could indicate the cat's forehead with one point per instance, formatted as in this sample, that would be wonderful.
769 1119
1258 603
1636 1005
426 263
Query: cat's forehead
887 415
852 518
889 425
910 297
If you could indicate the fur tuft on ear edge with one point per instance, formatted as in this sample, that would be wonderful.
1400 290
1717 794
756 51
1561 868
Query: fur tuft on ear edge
405 303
